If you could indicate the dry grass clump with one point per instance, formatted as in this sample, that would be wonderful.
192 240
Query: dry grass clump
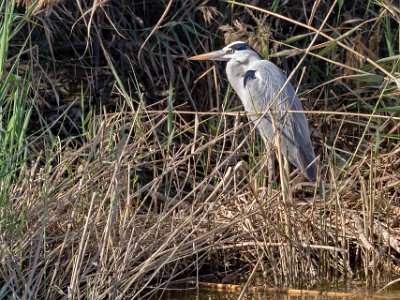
132 175
133 209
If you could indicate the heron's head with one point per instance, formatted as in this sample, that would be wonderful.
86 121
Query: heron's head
238 52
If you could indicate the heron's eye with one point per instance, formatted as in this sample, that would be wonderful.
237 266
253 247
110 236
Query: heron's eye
230 51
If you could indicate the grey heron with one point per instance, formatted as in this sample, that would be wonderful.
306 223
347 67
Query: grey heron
260 85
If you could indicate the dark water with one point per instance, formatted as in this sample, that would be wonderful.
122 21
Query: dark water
388 287
216 295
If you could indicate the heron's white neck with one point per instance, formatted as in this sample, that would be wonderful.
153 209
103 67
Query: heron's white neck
235 71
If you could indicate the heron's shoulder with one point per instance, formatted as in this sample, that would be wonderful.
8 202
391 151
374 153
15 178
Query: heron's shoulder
267 71
265 66
259 71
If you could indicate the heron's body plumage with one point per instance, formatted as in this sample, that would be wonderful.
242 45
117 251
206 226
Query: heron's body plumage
258 92
270 100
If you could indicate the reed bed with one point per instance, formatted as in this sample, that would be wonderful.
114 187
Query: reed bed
125 172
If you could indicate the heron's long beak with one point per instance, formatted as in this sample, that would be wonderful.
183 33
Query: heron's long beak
215 55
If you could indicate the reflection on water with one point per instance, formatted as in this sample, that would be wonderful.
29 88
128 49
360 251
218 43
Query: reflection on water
337 288
210 295
214 295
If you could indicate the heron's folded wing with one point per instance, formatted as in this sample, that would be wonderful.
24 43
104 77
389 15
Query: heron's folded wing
263 83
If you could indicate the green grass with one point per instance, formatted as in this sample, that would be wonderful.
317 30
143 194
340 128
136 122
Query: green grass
15 112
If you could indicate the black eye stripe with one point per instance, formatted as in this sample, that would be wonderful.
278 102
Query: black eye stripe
241 46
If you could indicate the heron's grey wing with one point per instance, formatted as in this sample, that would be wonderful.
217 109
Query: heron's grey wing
263 81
